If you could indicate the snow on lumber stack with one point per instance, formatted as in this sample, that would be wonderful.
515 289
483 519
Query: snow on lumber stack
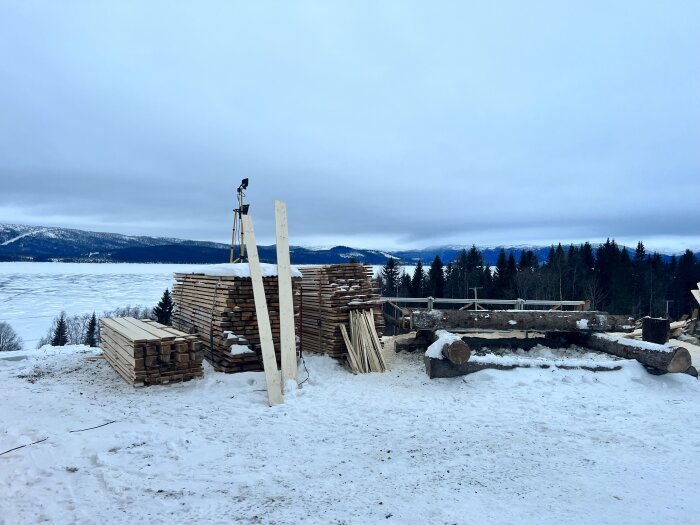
519 320
329 292
660 357
216 302
149 353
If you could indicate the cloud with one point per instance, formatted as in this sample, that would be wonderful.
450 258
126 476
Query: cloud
381 125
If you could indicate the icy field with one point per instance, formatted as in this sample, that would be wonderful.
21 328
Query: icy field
32 294
523 446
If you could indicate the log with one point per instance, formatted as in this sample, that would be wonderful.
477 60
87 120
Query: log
457 353
547 321
442 368
661 357
655 329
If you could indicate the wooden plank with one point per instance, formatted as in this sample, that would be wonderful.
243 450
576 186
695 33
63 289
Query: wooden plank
288 346
272 378
696 294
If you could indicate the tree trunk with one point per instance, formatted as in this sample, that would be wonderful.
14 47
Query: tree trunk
457 352
660 357
655 330
547 321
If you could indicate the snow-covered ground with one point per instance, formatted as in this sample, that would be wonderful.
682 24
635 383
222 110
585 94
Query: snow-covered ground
522 446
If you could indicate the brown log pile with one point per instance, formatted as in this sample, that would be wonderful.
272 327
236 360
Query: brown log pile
148 353
328 294
221 311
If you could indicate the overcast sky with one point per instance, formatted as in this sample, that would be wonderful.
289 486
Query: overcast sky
381 124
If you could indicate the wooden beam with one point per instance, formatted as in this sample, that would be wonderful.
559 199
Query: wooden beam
272 378
288 345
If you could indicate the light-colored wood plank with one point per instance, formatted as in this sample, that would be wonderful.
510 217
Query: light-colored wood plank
288 345
272 378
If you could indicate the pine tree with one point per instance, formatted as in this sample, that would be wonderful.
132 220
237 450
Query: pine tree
390 277
500 276
91 333
60 333
436 278
164 309
405 285
418 281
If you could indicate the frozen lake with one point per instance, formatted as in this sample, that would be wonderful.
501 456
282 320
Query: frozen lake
32 294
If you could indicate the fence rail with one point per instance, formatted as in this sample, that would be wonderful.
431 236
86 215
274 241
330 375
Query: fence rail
517 304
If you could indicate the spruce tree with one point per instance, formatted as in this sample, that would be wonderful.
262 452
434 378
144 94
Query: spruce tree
164 309
91 333
418 281
390 276
436 278
60 333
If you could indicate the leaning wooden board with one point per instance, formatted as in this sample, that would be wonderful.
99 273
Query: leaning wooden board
272 378
284 277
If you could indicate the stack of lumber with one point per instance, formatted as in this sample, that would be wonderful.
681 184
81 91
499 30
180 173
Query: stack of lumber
149 353
329 293
220 309
364 348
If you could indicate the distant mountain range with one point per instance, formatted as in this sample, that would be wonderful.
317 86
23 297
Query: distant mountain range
39 243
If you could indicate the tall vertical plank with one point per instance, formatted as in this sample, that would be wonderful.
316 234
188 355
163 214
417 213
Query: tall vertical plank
284 278
272 378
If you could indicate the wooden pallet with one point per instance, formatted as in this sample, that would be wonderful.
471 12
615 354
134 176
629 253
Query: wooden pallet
149 353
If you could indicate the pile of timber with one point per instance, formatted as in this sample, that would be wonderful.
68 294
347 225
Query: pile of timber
149 353
363 345
329 293
220 309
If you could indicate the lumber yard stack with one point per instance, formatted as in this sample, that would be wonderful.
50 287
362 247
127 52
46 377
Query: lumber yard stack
149 353
216 302
329 293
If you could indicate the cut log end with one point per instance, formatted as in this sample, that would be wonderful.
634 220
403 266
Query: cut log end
457 352
681 361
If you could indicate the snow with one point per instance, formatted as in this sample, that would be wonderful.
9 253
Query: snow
21 236
443 338
512 322
240 270
545 356
582 324
636 343
33 293
532 446
240 350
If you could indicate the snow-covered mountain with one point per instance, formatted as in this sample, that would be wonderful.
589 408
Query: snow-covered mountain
42 243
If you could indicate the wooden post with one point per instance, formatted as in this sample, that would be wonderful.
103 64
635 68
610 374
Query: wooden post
288 347
272 378
655 330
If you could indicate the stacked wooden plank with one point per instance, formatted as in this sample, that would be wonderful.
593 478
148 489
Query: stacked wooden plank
220 309
149 353
364 348
329 293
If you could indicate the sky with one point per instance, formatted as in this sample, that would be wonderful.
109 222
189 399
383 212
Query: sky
381 124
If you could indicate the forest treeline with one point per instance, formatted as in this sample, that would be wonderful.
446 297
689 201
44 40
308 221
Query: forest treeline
612 278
